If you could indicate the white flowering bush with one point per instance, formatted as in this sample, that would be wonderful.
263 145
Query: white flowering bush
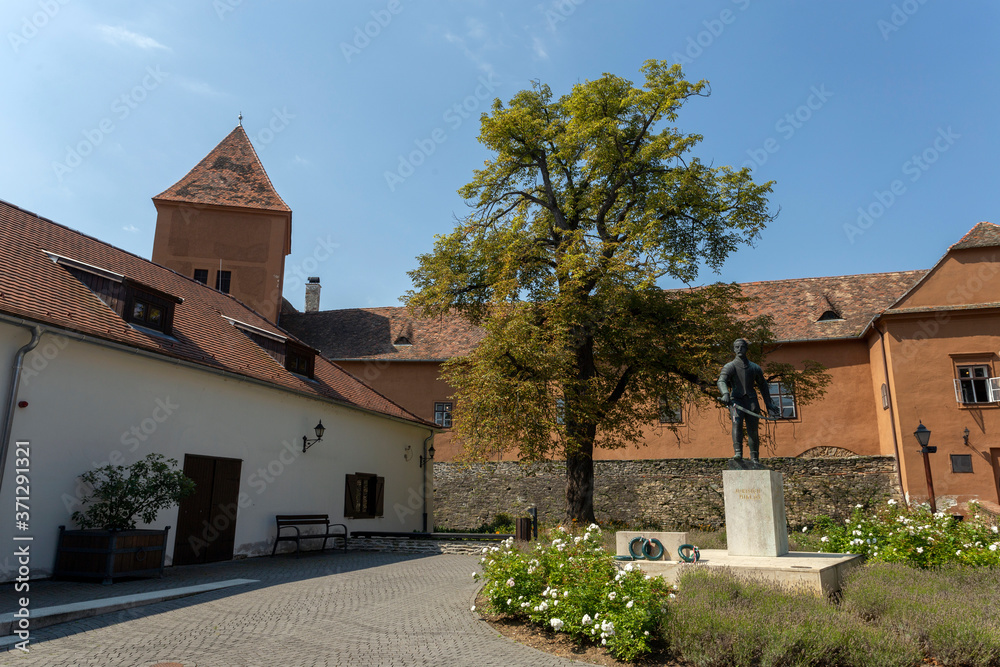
915 537
572 585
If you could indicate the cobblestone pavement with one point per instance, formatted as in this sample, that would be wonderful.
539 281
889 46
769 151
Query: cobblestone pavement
330 609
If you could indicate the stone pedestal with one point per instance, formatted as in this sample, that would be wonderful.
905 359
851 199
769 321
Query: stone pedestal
755 513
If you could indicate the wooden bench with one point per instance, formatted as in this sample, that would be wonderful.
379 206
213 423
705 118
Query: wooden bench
294 521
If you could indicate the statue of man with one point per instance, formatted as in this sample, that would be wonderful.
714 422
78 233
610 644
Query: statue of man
737 382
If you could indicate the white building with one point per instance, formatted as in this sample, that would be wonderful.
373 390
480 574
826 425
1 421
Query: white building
113 357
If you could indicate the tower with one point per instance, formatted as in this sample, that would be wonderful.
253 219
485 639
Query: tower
224 224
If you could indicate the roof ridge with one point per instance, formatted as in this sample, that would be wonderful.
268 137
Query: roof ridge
849 275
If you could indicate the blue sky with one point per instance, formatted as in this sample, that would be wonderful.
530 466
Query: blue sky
887 107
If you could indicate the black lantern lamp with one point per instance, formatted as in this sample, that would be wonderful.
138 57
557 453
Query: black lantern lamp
923 436
429 457
307 443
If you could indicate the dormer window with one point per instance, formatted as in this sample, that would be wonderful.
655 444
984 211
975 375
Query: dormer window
299 359
147 309
294 356
138 304
402 341
829 316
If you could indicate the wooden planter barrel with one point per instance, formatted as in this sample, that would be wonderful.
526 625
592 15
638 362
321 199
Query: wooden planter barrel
110 554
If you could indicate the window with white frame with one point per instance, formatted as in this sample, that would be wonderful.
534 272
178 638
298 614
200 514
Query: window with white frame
974 384
783 399
670 412
442 414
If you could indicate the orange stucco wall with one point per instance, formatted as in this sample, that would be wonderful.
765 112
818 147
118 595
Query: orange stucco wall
923 373
415 386
967 276
250 244
844 417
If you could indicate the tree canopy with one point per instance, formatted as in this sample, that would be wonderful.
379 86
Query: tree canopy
588 203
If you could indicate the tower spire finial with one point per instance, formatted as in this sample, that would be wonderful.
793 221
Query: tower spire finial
241 119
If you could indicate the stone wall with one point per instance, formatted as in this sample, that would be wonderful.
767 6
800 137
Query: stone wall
407 545
672 494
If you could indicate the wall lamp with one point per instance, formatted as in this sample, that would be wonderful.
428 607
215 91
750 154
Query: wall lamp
923 436
429 457
307 443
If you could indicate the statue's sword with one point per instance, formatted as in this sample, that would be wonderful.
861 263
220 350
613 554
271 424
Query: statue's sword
755 415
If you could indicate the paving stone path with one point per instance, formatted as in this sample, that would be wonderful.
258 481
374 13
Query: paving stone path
330 609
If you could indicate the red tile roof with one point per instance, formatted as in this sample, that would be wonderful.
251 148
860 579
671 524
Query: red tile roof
372 333
983 235
35 288
230 175
796 305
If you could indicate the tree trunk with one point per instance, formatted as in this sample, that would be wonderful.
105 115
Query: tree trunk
580 479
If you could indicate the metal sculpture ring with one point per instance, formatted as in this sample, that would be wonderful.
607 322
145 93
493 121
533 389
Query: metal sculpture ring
693 557
641 541
649 554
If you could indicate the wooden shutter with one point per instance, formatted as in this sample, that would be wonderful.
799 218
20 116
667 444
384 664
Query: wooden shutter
350 506
379 495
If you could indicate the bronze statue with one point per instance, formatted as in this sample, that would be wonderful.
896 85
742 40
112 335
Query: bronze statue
737 383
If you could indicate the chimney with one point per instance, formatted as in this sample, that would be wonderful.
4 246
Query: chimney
312 295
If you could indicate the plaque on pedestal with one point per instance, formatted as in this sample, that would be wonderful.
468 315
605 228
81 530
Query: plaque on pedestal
755 513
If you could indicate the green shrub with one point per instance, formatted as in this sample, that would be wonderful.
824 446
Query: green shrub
572 585
894 534
952 612
720 620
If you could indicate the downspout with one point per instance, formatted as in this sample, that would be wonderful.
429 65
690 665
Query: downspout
892 417
427 468
15 380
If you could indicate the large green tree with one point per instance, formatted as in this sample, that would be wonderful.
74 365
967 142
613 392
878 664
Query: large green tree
588 202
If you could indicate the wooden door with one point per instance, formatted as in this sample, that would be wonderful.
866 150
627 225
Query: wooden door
206 520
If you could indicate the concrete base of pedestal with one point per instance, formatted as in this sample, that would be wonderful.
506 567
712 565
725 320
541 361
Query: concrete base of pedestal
755 513
821 574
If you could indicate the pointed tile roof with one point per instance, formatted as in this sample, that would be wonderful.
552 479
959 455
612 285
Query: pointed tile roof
983 235
230 175
34 287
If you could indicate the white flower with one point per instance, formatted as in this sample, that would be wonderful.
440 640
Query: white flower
509 601
824 539
672 595
604 642
612 595
993 547
486 550
920 550
587 620
891 501
995 529
630 603
608 628
510 583
858 506
594 526
646 632
475 575
958 553
556 624
565 594
577 539
805 528
473 608
629 567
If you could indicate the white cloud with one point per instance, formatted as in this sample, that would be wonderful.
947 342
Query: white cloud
131 229
197 87
118 36
539 48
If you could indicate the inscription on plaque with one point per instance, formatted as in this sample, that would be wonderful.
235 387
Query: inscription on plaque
747 494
